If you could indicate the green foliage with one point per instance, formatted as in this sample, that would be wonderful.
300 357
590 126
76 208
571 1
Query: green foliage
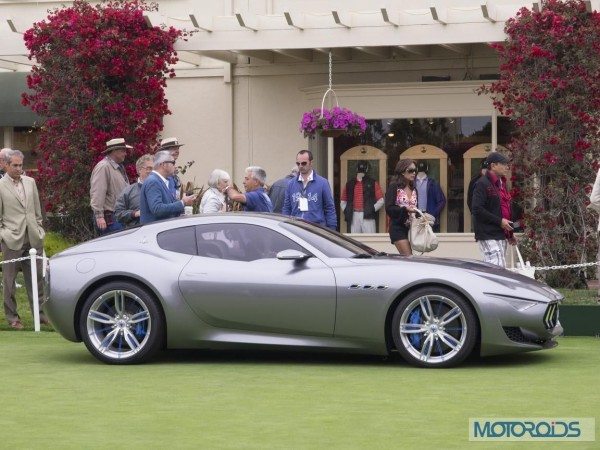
548 87
99 72
55 243
580 296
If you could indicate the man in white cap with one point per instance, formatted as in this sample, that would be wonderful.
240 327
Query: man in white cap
107 181
172 145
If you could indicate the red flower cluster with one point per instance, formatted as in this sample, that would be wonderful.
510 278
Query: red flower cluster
100 73
549 85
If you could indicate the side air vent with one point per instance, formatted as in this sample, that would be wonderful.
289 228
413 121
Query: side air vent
368 287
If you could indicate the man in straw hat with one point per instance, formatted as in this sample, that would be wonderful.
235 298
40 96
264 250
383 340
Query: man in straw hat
172 145
107 181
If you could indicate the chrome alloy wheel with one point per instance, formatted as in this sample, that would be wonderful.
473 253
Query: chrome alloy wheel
433 329
118 324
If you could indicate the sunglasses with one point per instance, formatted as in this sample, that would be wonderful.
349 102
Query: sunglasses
411 171
303 163
170 162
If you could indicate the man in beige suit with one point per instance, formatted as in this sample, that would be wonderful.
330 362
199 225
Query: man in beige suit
20 230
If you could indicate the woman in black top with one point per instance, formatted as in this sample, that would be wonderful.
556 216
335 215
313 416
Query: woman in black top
400 202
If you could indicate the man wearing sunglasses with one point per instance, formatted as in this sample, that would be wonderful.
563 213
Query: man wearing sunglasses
156 200
309 196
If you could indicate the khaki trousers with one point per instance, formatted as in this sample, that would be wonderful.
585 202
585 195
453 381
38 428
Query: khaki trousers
9 275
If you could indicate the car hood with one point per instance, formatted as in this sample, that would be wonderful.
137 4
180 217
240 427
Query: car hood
481 269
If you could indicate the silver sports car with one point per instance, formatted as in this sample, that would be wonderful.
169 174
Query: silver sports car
267 281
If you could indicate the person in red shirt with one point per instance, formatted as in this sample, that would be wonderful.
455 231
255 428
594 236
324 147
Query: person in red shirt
361 199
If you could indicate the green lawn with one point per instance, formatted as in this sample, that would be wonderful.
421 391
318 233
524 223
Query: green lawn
56 395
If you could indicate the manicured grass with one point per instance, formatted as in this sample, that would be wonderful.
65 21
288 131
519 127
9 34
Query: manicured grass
56 395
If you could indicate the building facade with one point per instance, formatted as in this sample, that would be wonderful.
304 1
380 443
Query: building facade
253 67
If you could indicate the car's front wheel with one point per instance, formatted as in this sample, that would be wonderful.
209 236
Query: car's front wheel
121 323
434 327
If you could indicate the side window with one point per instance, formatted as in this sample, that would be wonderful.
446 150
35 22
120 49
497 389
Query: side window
179 240
241 242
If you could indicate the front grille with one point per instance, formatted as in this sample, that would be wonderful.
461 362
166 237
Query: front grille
551 316
517 334
514 334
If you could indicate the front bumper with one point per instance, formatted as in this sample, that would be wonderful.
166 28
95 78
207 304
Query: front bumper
522 331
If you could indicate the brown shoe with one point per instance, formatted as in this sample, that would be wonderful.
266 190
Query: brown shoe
16 324
44 321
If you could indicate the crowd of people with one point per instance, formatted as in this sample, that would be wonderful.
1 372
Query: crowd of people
155 195
302 193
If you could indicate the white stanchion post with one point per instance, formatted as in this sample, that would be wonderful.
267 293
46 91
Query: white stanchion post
44 263
34 289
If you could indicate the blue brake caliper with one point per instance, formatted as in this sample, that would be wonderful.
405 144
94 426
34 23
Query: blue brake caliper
140 328
415 338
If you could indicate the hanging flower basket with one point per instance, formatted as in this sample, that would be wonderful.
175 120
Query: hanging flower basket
333 132
332 122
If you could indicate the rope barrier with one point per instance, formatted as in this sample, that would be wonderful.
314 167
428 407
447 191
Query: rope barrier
567 266
563 267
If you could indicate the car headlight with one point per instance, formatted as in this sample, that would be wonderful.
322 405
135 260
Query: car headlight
519 304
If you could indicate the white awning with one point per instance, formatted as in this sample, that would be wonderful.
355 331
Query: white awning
298 30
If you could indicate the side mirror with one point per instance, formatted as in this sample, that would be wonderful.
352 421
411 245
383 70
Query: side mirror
292 255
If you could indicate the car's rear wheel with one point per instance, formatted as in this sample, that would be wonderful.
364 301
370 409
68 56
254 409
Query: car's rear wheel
121 323
434 327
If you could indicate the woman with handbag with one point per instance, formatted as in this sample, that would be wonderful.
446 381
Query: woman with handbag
400 203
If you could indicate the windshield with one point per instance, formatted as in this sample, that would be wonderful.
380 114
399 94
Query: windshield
329 242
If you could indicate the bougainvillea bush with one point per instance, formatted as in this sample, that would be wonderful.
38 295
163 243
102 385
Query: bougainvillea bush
550 87
100 73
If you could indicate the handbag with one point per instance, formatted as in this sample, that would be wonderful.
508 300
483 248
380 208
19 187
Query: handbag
523 268
421 236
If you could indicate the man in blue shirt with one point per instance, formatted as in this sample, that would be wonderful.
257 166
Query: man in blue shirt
172 145
156 201
255 199
309 196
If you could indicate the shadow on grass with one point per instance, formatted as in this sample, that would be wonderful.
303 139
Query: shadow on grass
303 357
297 357
274 357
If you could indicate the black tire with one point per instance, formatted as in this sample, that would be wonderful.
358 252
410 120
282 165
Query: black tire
121 323
434 327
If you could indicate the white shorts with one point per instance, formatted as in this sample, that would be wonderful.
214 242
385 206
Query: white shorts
494 251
